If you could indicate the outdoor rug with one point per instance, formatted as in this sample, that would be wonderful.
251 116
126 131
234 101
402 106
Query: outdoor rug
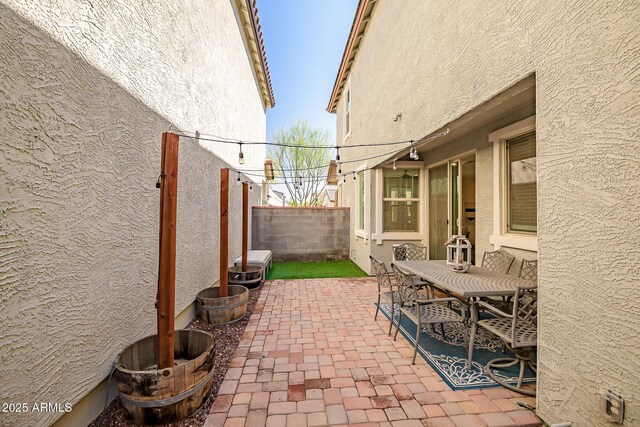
448 358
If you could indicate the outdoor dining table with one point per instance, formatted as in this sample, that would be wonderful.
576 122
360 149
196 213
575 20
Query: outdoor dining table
476 283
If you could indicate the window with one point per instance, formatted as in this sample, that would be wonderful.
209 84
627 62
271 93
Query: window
347 115
401 199
514 186
360 201
521 184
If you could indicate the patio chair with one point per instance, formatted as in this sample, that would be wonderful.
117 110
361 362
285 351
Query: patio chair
517 330
411 252
421 309
529 270
385 289
499 261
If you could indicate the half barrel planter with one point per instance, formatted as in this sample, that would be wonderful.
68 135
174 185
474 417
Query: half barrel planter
160 396
249 278
217 310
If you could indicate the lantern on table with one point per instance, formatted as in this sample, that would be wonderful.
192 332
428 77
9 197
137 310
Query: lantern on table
458 253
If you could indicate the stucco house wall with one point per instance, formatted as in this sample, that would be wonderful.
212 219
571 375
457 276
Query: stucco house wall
433 62
86 91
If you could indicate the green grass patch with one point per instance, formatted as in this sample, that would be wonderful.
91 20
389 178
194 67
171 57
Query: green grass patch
314 270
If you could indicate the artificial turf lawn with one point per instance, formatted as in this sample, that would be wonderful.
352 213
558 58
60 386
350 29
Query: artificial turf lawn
314 270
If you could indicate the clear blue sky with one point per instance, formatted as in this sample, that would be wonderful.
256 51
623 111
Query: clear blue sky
304 40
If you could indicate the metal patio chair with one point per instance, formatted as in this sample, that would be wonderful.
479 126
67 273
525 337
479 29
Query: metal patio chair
411 252
529 270
422 309
385 289
499 261
518 330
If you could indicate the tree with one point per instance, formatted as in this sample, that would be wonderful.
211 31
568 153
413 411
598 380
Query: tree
301 169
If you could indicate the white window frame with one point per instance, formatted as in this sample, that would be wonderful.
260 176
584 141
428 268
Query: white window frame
379 236
362 233
501 235
347 111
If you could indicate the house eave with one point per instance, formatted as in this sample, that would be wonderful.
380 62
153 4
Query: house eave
360 21
250 21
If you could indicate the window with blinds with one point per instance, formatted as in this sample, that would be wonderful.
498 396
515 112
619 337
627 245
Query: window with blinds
521 185
401 199
361 201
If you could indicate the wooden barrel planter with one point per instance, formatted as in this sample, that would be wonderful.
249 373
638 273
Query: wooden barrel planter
250 278
160 396
218 310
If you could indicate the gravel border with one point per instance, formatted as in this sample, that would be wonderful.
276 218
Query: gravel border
227 338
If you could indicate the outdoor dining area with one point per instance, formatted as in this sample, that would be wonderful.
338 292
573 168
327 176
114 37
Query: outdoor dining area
475 325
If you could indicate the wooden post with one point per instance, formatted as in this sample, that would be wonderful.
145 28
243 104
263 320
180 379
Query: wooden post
245 222
224 232
167 261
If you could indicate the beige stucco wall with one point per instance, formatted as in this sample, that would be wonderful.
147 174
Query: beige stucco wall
86 91
435 61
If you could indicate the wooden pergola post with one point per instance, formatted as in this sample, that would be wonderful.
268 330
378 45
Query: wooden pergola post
245 223
167 255
224 233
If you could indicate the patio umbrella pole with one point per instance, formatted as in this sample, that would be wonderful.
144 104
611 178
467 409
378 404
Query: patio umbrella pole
224 232
245 221
168 183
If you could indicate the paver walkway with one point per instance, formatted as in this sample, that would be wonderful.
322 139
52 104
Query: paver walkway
312 355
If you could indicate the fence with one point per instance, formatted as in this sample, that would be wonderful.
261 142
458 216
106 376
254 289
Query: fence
301 234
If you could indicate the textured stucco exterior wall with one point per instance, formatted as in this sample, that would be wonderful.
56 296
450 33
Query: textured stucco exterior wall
301 234
434 61
86 91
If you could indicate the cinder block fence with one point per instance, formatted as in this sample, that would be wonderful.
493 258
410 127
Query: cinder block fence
301 234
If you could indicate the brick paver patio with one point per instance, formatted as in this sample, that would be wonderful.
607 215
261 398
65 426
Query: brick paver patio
312 355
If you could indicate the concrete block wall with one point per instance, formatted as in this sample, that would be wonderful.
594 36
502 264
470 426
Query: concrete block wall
301 234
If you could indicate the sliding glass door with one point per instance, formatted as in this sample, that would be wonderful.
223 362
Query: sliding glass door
438 211
451 203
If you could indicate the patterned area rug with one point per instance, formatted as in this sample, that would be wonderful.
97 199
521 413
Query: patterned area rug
448 358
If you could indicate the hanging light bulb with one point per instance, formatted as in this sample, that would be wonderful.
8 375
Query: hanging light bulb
238 176
241 155
354 176
394 164
338 153
414 151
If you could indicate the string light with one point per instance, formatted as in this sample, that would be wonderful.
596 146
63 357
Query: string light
241 155
298 181
413 151
224 140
